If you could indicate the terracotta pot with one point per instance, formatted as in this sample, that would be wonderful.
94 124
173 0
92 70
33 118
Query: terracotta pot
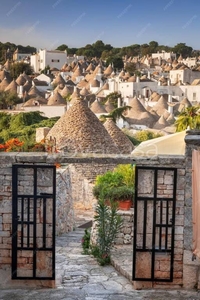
122 204
125 204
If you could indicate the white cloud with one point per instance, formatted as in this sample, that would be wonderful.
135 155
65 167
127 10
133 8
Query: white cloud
26 35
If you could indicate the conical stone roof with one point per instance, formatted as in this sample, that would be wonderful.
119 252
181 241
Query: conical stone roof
79 130
184 104
12 87
4 74
34 91
56 99
59 80
3 85
109 106
65 92
20 80
161 123
161 106
84 92
136 106
108 71
119 138
97 108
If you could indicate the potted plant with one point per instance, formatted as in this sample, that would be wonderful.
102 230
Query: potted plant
117 185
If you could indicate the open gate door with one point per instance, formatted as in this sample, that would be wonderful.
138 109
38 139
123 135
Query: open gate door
154 224
33 221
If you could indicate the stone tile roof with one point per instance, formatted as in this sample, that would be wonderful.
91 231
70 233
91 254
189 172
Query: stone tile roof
109 106
160 106
4 74
12 87
184 104
34 91
59 80
97 108
65 92
56 99
119 138
3 85
161 123
108 71
20 80
79 130
138 114
35 101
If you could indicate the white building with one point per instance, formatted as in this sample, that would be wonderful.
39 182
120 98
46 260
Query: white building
164 55
185 76
54 59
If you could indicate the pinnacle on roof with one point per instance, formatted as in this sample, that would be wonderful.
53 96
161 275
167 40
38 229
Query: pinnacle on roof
119 138
79 130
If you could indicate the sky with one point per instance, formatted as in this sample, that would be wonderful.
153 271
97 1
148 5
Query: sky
76 23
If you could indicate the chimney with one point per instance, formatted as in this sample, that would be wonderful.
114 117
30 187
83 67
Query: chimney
170 108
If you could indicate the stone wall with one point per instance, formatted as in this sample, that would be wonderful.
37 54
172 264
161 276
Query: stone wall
165 181
191 264
69 184
64 218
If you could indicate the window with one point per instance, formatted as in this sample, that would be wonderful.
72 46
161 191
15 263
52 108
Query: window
55 60
194 96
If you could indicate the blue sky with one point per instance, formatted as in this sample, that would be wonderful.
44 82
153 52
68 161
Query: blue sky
50 23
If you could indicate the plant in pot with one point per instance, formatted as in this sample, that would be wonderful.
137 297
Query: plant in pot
117 185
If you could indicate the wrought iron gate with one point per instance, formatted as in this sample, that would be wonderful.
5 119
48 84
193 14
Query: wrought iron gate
154 224
33 221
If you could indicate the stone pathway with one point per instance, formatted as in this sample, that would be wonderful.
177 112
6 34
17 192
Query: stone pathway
79 277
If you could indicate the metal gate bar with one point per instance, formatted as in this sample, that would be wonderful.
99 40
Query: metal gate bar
162 208
25 220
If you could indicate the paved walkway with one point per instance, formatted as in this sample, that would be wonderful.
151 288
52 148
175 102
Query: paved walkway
79 277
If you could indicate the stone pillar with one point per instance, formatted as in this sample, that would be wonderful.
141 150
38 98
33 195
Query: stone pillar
191 267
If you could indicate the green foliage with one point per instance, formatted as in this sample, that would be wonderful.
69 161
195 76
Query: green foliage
8 99
23 126
128 173
86 242
189 117
116 185
145 135
18 68
183 49
116 60
116 113
108 224
62 47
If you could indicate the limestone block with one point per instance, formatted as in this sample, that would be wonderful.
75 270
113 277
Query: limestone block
190 276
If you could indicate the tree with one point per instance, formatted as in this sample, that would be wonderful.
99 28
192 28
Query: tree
183 49
116 61
131 68
62 47
189 117
153 46
117 113
18 68
8 99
